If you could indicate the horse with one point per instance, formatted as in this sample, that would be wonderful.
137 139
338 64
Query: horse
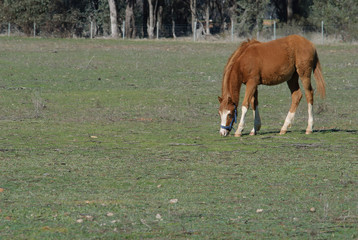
286 59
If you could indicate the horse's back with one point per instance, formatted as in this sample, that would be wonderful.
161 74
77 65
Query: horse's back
292 45
276 61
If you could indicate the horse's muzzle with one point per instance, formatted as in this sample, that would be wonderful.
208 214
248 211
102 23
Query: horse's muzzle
224 132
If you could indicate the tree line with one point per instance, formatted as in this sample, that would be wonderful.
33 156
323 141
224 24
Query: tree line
69 18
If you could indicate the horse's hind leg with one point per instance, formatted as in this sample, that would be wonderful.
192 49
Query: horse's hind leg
257 119
296 96
306 82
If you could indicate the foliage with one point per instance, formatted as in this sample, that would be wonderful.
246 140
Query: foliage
300 9
57 18
250 15
340 17
25 13
72 18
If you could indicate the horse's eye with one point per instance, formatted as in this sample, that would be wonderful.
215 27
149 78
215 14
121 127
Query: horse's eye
230 115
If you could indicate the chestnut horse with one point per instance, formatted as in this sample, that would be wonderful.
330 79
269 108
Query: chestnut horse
254 63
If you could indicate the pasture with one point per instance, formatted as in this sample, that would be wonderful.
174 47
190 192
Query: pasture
112 139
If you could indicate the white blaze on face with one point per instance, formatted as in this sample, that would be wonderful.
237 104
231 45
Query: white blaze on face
223 115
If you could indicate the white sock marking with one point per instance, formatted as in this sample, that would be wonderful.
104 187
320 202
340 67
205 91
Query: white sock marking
242 121
288 121
310 118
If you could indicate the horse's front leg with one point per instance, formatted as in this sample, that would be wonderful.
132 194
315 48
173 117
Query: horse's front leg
242 122
257 122
249 93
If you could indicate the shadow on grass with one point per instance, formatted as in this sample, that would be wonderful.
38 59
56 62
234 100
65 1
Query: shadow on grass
335 130
324 131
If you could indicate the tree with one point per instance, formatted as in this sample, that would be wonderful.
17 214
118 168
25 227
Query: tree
151 18
171 3
193 14
207 17
251 13
130 19
113 17
232 10
289 10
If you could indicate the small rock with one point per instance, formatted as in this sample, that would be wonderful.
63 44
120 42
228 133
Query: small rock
173 201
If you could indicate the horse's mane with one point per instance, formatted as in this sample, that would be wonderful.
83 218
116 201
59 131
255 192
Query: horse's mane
243 46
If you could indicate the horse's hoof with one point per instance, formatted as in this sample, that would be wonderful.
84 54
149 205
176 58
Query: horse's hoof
252 133
237 135
282 132
308 132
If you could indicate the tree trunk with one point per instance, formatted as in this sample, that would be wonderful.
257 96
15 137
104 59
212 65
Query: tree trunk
160 18
173 22
173 29
130 21
193 14
232 12
289 10
151 18
113 16
219 5
207 17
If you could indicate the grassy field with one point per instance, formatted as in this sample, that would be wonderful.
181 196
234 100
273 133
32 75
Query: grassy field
106 139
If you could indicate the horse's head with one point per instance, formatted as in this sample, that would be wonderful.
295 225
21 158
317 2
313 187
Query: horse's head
228 115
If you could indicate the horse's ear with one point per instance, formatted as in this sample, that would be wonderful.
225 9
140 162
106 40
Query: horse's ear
220 99
230 100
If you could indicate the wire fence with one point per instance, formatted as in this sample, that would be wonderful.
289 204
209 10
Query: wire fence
320 33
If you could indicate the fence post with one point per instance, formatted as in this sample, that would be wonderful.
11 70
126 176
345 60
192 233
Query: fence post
91 33
124 29
157 29
322 32
274 30
194 31
34 29
232 30
8 29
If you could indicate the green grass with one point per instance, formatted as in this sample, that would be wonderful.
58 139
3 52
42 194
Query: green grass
97 136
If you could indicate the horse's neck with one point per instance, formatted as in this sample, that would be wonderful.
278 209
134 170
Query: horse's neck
232 89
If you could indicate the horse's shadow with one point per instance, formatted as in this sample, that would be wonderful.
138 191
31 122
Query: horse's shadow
336 130
324 131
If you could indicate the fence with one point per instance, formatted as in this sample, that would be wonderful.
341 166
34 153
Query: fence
218 31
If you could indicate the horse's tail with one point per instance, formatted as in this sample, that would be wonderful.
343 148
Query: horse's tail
317 72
